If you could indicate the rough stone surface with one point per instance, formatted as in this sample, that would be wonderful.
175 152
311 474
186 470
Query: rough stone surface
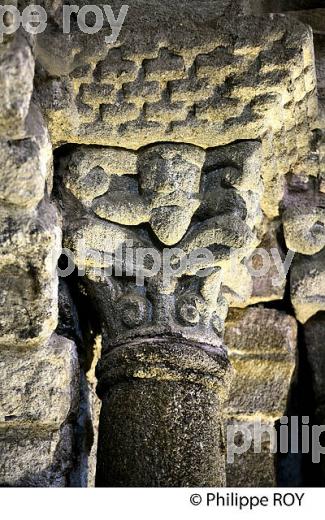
161 456
255 467
202 83
319 42
26 166
262 278
29 249
304 229
271 285
203 65
304 232
314 334
307 282
16 85
262 350
314 337
35 460
38 394
38 387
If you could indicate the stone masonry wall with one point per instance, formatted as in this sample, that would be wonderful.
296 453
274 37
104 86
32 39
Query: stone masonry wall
38 369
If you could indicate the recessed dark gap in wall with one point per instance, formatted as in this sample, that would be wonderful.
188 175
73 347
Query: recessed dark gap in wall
297 469
78 321
278 6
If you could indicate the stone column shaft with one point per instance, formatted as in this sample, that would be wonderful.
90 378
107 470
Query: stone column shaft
161 420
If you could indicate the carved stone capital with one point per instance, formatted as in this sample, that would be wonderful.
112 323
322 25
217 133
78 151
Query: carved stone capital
160 235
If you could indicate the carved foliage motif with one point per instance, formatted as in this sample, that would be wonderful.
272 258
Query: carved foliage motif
171 215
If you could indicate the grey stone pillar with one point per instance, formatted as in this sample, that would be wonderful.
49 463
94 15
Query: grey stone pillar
161 420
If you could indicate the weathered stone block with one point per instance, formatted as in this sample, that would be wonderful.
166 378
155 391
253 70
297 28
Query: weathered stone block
59 105
114 67
92 171
219 109
165 111
140 89
265 269
307 285
25 166
35 459
189 90
39 393
304 228
119 112
38 387
16 85
29 249
218 64
261 345
94 94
